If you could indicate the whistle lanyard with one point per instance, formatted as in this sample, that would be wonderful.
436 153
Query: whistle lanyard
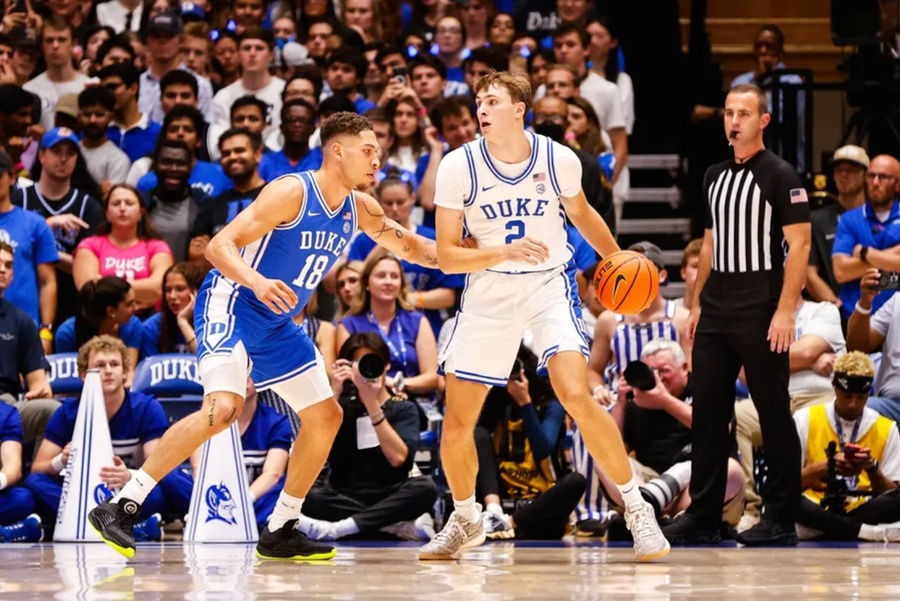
401 354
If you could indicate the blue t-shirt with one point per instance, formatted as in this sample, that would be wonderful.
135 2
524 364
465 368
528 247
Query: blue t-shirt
400 340
582 253
33 241
418 277
456 74
137 142
268 429
10 424
276 164
150 337
20 347
362 105
129 333
209 178
139 420
861 226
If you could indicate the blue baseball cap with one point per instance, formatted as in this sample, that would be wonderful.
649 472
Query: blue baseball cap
57 135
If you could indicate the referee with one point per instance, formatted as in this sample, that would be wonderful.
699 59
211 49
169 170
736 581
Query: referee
743 316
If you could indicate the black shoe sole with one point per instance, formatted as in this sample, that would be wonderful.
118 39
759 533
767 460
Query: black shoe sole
683 541
781 540
299 557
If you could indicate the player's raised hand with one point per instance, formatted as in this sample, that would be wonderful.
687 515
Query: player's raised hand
275 294
528 250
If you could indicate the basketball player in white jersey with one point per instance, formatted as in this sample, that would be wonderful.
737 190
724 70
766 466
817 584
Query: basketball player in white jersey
508 192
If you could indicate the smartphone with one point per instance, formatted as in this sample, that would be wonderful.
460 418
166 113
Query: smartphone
851 450
399 73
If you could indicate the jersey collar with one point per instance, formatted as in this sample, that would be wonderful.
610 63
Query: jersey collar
871 216
496 172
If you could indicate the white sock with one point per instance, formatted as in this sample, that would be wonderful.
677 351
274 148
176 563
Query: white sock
466 509
137 488
344 527
286 508
871 532
494 508
631 495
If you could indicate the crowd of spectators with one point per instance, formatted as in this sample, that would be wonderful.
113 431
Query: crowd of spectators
133 131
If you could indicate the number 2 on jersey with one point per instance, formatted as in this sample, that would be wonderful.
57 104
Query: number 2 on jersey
517 229
312 273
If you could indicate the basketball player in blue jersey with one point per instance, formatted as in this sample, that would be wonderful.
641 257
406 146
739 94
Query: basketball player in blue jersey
511 192
267 262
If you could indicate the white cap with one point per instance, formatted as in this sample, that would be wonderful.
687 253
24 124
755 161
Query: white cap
295 54
851 153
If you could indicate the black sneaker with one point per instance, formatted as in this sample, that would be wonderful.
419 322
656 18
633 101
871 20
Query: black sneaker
768 534
684 529
289 543
114 522
590 529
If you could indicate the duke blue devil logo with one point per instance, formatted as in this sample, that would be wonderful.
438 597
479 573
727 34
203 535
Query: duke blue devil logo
220 504
101 493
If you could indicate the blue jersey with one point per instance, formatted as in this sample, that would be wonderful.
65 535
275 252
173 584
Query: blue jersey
275 164
150 337
268 429
10 424
139 420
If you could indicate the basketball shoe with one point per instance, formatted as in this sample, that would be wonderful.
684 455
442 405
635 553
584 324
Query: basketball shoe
289 543
649 542
458 534
114 522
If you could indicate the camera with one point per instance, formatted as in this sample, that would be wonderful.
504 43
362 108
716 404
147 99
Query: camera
516 370
889 280
639 375
371 366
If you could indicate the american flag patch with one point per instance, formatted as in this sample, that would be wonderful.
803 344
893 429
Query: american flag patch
539 177
348 215
798 195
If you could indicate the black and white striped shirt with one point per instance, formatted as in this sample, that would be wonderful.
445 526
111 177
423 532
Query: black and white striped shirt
748 204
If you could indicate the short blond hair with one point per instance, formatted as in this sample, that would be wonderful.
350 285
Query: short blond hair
518 86
855 363
691 250
102 344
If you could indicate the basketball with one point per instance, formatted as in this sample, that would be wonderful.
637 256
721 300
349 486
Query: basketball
626 282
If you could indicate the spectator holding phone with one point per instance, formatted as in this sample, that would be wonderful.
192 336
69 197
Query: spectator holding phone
867 330
867 458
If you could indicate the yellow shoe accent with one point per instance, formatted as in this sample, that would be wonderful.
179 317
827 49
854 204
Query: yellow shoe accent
129 553
313 557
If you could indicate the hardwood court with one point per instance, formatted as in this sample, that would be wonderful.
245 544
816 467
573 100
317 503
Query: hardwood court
497 571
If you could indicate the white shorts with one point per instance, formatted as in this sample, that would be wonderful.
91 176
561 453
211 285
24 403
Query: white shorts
228 373
495 311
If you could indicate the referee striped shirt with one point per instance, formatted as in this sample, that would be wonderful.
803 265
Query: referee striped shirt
747 206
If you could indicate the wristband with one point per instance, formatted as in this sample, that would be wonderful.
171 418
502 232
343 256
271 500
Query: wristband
863 252
3 481
57 463
420 300
379 415
46 334
861 310
421 111
379 421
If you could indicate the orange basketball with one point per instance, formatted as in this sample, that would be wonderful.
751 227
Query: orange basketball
626 282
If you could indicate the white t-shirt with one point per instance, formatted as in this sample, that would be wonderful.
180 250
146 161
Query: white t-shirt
106 162
890 459
222 101
822 320
888 377
503 202
113 14
50 92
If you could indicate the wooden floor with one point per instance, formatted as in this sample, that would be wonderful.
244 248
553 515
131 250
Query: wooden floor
494 572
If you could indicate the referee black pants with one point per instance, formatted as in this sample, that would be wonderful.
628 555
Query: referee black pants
736 310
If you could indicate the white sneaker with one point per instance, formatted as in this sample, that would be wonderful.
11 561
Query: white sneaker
315 529
649 542
422 528
890 532
458 534
747 521
497 525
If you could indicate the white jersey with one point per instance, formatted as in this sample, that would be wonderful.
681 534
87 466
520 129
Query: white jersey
504 202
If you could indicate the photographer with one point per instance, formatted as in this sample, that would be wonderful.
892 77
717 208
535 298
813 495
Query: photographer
370 488
517 436
868 460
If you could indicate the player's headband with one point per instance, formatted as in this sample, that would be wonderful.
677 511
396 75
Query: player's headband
852 384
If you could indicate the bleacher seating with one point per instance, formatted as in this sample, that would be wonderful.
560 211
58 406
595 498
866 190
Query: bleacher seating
172 378
64 380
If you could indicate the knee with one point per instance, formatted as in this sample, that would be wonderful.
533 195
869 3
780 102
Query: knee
222 409
574 398
326 415
459 424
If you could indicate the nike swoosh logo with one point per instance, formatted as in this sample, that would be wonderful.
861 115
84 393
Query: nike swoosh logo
486 188
619 279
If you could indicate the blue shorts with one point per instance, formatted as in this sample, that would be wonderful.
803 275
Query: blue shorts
277 349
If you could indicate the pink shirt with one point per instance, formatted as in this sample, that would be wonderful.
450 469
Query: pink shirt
131 263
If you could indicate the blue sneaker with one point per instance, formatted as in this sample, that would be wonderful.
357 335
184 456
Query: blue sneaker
149 529
29 530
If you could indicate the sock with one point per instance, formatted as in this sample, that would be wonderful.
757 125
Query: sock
661 491
137 488
871 532
494 508
466 509
286 508
631 495
344 527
